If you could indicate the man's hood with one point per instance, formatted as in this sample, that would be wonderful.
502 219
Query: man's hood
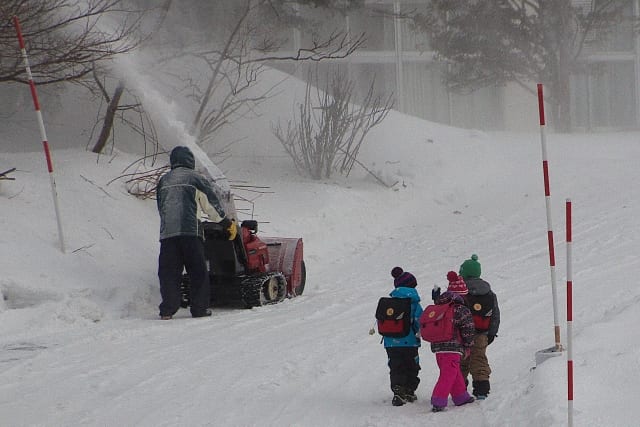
182 157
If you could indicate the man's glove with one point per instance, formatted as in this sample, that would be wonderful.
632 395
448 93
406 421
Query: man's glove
225 223
232 230
490 339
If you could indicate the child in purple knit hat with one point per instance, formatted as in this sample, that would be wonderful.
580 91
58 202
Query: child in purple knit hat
404 363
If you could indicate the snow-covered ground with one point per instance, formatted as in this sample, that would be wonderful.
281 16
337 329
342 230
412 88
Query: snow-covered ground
81 343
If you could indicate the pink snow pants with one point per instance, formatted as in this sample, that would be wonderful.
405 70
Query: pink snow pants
450 381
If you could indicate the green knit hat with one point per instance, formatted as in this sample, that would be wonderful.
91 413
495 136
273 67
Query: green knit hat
470 267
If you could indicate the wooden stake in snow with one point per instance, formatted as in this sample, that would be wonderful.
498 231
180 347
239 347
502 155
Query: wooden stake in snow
45 142
569 315
547 194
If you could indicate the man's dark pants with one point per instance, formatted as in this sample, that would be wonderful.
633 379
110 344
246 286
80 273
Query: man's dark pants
177 253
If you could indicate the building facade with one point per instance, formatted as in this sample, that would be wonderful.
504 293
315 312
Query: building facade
605 93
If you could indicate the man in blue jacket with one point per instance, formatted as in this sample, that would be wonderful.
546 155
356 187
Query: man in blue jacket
182 195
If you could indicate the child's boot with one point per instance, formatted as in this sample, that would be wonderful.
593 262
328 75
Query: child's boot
410 396
481 389
471 399
399 396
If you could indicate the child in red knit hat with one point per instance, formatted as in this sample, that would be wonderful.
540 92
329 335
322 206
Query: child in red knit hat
457 284
449 353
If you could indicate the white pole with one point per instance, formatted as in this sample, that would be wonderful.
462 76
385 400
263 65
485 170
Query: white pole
43 134
569 316
397 25
547 199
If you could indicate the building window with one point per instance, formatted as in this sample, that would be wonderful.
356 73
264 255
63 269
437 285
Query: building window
605 96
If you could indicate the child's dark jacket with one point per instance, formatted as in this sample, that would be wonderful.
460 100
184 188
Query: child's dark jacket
463 323
479 286
413 338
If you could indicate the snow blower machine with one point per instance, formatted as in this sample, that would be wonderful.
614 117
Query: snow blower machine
251 270
248 270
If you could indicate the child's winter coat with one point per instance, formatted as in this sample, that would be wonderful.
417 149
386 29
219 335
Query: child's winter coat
478 288
413 338
463 322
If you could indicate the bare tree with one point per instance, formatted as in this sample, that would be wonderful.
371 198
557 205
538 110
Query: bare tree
112 108
65 38
330 131
69 41
97 85
132 115
239 54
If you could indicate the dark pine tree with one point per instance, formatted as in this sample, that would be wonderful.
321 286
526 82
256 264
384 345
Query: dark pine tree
492 42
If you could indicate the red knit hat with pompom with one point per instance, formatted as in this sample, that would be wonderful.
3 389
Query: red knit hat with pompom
456 283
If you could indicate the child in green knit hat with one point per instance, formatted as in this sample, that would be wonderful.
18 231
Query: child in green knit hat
483 303
470 268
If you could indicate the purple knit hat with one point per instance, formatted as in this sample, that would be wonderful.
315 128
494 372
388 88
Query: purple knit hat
403 278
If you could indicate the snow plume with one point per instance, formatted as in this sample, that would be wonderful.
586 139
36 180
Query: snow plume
166 112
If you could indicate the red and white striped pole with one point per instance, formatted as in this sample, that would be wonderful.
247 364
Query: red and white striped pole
569 316
43 134
547 194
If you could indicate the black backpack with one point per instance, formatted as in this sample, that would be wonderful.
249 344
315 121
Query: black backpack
481 307
393 316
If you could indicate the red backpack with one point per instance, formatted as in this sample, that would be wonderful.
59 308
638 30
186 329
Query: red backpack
436 323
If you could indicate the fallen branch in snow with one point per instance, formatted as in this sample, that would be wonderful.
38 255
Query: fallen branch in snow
3 175
143 184
82 248
16 194
96 185
370 172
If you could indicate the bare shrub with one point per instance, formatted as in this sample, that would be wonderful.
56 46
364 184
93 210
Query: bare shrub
330 128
